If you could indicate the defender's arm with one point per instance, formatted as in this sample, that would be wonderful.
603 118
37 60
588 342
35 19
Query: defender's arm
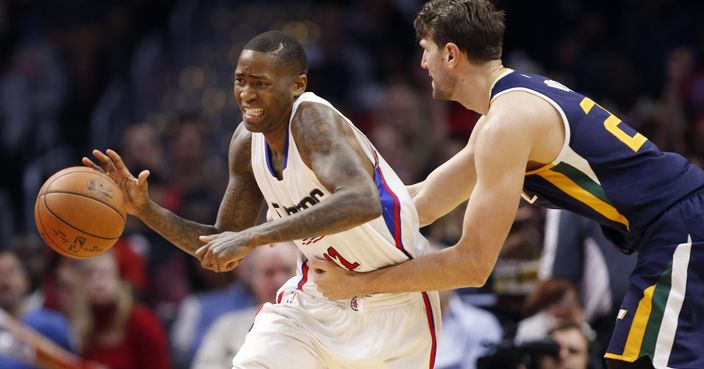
490 213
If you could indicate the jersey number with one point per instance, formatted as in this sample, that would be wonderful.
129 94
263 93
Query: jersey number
333 254
611 124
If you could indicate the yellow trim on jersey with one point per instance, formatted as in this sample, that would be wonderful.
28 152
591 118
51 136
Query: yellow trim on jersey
587 104
541 169
569 187
637 330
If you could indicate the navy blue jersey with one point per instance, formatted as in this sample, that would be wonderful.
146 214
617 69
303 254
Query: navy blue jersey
606 170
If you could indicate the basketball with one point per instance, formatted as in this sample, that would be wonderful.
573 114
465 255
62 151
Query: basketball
80 212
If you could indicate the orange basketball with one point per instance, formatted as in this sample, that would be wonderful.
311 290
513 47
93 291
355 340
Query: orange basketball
80 212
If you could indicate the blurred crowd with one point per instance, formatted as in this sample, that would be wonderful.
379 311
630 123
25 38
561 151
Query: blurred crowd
153 80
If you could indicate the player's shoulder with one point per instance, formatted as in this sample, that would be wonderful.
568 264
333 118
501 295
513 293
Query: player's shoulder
521 101
310 112
241 139
240 150
241 133
315 117
521 109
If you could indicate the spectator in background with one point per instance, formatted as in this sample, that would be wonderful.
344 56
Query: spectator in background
562 307
141 147
213 294
574 347
115 331
168 280
188 159
33 90
15 289
516 271
269 268
393 147
468 333
198 312
583 276
565 347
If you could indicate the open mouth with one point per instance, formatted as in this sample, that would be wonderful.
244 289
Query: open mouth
253 112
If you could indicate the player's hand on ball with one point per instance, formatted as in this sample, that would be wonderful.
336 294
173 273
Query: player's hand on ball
222 252
334 282
134 189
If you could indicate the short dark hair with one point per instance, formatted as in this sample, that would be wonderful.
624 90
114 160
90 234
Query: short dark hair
283 47
474 25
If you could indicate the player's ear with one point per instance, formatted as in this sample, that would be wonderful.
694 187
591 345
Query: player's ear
453 54
300 84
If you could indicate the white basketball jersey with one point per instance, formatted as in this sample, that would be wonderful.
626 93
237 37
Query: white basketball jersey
391 238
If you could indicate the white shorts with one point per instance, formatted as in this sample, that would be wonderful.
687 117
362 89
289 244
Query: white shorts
308 332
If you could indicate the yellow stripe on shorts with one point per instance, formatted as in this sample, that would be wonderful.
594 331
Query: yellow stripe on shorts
637 330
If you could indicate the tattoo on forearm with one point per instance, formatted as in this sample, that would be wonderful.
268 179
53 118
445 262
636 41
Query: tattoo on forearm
331 216
181 232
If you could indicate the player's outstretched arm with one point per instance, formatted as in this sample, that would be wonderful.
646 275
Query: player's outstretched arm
490 213
328 146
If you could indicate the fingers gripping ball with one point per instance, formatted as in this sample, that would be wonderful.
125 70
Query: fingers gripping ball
80 212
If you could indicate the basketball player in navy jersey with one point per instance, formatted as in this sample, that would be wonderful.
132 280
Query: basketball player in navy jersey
327 189
540 140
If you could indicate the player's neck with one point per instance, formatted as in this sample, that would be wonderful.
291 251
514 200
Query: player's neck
276 138
474 85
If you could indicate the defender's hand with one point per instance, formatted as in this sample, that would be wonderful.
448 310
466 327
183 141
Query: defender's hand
222 252
135 191
334 282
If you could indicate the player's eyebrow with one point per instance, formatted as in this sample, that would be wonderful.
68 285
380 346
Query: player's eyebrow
251 75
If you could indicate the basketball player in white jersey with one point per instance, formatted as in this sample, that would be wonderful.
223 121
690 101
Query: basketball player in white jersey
327 189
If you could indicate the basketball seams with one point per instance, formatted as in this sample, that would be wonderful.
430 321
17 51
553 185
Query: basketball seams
77 170
88 197
41 222
78 189
56 247
71 225
88 170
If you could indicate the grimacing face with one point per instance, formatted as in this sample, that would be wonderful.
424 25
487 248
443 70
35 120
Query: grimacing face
433 60
265 88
